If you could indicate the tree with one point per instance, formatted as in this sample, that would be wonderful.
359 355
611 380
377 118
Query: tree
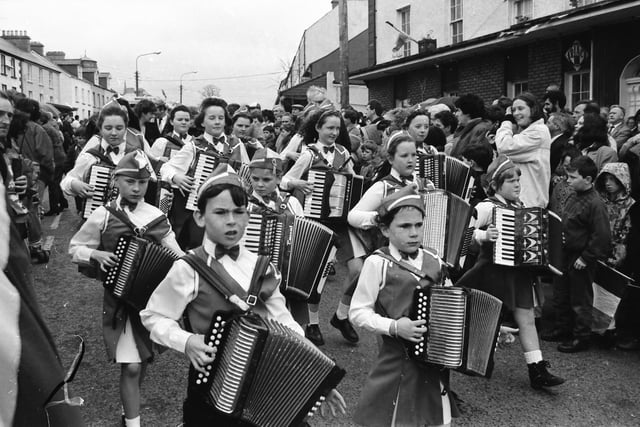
209 91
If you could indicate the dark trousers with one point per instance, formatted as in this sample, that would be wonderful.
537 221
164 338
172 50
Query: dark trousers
627 317
56 197
573 300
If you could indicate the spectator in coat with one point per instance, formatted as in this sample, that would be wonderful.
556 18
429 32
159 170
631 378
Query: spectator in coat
471 119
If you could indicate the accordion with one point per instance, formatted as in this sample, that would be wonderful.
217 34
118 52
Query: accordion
446 173
100 178
462 328
300 248
203 166
264 373
334 195
529 237
244 172
446 224
141 266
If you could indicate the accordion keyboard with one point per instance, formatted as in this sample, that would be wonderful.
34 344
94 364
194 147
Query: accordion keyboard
99 179
205 164
313 201
505 245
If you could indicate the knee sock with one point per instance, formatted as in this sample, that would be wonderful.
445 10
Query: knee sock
342 312
132 423
533 356
314 316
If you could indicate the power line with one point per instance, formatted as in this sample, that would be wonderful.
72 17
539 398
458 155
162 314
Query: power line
213 78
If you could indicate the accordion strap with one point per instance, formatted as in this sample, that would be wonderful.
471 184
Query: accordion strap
139 231
411 269
216 276
96 152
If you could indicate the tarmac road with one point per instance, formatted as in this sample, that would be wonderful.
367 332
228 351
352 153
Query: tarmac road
602 388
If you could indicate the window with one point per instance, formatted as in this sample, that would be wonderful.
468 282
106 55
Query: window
13 68
76 97
82 95
41 98
405 25
4 88
456 21
31 94
50 80
516 88
29 73
578 87
40 76
3 65
521 11
51 99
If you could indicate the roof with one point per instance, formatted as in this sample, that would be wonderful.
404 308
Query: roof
300 90
11 49
549 26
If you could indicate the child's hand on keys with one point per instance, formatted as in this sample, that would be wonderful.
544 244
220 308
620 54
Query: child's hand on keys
410 330
105 259
200 354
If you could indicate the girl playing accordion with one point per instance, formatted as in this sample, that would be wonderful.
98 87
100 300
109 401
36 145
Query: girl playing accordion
126 340
513 285
399 390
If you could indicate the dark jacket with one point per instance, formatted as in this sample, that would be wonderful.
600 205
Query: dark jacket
474 132
558 146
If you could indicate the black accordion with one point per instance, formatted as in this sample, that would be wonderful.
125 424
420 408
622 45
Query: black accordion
264 373
300 248
203 166
141 266
446 173
445 224
334 195
462 328
528 237
100 178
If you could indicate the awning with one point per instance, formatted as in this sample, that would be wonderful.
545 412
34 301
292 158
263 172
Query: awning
62 108
568 22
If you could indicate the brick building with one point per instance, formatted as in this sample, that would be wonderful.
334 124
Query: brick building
498 47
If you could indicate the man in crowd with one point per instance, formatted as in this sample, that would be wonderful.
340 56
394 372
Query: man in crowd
554 102
617 129
373 112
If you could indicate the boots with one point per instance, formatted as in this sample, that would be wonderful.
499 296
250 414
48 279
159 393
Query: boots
540 377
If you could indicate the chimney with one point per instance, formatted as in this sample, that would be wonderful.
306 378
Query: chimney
334 4
56 55
19 39
38 48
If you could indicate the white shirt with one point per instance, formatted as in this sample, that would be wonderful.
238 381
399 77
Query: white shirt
85 161
292 146
170 299
159 145
372 279
305 161
87 239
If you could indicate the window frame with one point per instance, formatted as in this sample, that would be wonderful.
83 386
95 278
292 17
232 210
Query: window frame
568 85
456 21
405 25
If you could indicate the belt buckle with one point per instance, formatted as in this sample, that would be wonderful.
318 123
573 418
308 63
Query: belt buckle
140 231
252 300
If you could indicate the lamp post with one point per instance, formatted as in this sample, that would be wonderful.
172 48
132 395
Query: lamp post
181 76
138 74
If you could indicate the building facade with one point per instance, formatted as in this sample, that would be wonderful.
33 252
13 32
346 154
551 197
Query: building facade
317 60
504 47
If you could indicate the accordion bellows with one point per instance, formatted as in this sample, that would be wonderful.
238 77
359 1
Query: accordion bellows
141 266
462 328
446 173
264 373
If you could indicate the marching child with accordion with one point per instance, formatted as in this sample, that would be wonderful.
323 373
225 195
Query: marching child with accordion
326 158
513 285
127 341
400 391
220 275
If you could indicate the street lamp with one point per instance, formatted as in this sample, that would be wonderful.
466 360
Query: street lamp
184 74
138 74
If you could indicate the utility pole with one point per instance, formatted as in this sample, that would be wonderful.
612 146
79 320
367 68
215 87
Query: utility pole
343 27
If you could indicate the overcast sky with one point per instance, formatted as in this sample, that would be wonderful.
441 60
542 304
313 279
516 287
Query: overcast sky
222 40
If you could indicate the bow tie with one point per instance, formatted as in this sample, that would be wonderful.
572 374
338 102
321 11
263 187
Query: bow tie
407 178
233 252
112 149
329 149
218 140
405 255
273 197
126 203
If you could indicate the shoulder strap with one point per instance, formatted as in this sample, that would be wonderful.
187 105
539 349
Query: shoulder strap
411 269
177 141
139 231
96 152
259 273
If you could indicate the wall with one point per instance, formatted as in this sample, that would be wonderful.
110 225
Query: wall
357 57
7 80
48 91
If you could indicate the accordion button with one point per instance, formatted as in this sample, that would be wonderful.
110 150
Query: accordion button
217 342
208 368
219 336
218 318
204 380
216 325
198 382
309 414
322 399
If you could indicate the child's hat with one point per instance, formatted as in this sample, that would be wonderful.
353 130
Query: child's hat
134 165
499 165
219 176
266 158
407 196
298 106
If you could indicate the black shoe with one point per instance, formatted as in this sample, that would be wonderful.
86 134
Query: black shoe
574 346
39 256
540 377
52 212
632 344
313 334
345 328
555 335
